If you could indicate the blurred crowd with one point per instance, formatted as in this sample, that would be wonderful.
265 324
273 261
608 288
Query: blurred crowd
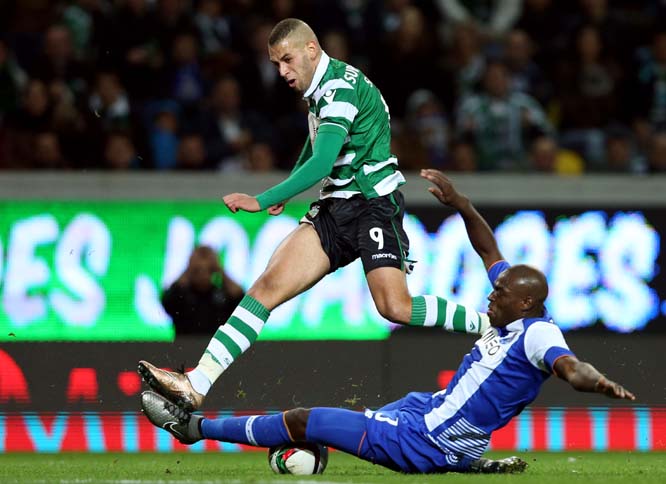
473 85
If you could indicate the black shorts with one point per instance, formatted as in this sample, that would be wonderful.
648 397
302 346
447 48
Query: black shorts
353 227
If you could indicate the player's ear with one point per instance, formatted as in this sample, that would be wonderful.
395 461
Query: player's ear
311 47
526 304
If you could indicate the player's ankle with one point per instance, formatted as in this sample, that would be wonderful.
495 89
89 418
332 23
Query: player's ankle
199 381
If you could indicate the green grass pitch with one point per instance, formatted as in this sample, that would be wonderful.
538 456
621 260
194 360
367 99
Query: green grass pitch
545 468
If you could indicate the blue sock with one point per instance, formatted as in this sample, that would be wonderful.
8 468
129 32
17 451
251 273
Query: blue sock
257 430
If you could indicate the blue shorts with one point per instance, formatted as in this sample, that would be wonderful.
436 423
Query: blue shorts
392 436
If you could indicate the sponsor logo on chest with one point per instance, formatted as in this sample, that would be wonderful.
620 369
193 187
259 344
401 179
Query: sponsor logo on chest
493 346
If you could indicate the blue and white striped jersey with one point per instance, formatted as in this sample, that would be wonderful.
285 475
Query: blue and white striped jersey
500 376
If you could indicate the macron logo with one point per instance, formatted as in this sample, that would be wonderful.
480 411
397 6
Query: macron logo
384 255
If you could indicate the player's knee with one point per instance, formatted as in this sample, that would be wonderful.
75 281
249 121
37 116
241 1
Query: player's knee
395 311
297 421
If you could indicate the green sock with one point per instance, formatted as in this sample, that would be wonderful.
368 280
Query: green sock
435 311
233 338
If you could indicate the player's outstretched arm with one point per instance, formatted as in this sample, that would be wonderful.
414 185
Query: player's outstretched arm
479 233
248 203
306 154
324 153
585 378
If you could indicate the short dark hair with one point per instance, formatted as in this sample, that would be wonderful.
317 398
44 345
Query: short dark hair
282 30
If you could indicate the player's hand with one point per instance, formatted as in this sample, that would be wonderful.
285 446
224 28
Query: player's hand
276 209
443 189
612 389
241 201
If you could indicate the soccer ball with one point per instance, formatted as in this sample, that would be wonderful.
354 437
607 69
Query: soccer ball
301 459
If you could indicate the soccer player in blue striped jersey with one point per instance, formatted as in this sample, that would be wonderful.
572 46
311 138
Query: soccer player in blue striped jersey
358 215
434 432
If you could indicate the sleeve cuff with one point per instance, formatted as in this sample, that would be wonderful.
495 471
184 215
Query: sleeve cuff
261 200
554 354
496 269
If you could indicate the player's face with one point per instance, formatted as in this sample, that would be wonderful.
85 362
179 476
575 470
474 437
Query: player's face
504 302
295 62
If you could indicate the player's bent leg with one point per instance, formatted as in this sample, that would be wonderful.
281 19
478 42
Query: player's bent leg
297 264
296 421
388 287
341 429
345 430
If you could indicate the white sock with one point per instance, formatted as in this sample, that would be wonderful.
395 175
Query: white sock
199 382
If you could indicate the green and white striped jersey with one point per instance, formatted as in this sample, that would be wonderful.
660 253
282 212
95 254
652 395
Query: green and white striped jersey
340 97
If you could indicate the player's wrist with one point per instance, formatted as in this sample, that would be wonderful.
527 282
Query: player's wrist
263 201
461 203
600 385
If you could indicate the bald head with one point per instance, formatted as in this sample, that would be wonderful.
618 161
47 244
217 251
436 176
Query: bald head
529 281
519 292
296 30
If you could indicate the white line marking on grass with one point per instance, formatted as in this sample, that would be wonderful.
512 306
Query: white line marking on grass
305 481
188 481
143 481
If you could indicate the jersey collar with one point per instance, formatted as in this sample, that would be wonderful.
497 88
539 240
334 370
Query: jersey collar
516 325
318 74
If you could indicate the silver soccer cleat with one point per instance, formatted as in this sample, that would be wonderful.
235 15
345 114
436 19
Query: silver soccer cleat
508 465
172 385
162 413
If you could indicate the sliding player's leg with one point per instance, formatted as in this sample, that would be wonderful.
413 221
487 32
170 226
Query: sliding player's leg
334 427
378 437
297 264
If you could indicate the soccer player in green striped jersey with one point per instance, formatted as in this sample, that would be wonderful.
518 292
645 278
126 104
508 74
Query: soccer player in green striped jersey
359 214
